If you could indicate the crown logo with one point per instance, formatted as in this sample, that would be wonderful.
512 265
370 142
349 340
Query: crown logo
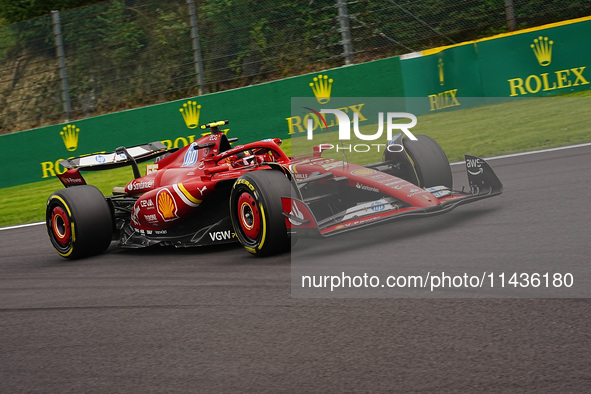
191 112
321 88
543 50
441 75
69 135
166 206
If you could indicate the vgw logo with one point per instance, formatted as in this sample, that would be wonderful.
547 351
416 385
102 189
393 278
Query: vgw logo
344 123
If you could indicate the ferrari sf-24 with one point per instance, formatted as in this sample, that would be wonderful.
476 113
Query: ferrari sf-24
213 192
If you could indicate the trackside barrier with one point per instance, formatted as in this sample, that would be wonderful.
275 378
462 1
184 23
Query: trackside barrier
550 60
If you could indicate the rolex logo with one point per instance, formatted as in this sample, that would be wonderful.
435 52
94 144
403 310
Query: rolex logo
191 112
543 50
321 88
441 74
69 134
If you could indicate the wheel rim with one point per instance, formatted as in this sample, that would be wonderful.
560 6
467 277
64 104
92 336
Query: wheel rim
249 216
60 226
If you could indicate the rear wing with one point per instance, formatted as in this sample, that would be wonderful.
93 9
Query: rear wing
120 158
102 161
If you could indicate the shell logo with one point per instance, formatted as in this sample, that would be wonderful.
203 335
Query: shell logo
166 206
363 171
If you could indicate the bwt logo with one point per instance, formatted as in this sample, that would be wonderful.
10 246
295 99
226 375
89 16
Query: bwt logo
345 128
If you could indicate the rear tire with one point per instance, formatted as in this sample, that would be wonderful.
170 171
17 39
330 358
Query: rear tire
430 162
257 213
79 222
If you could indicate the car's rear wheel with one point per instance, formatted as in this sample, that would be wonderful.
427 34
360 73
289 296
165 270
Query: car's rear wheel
257 213
79 221
429 161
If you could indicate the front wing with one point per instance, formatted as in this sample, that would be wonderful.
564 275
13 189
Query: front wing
483 183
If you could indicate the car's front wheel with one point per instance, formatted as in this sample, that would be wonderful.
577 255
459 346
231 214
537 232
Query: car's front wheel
79 221
430 162
257 213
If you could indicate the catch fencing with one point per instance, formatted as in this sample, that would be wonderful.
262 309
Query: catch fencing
124 54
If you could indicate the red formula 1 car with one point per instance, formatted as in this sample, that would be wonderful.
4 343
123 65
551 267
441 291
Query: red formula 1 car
211 193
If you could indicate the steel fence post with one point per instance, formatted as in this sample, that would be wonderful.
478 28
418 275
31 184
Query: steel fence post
196 47
510 11
345 32
59 45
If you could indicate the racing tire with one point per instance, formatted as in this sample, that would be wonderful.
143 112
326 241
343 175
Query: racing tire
429 161
256 212
79 222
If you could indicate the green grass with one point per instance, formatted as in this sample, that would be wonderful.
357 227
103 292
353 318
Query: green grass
509 127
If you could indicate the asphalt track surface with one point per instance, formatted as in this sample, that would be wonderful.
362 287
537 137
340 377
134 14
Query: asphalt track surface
217 320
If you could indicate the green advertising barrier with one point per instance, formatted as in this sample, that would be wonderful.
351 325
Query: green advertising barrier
537 63
438 82
255 112
542 61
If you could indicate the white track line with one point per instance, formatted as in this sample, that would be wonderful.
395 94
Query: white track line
21 226
533 152
530 152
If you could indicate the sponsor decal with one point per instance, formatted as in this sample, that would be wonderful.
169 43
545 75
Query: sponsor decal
190 155
368 188
134 215
397 182
361 221
151 218
413 194
70 135
221 235
151 168
363 171
228 174
378 206
543 50
297 213
140 185
191 112
73 180
440 67
558 79
321 87
439 191
166 205
146 203
474 166
243 181
443 99
300 176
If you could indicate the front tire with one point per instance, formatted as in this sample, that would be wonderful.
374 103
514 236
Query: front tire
79 222
429 161
257 213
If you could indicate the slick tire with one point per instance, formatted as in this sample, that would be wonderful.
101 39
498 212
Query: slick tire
79 222
257 213
429 161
